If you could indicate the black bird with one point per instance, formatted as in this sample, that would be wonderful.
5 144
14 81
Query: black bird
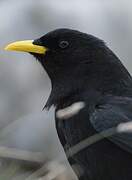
84 70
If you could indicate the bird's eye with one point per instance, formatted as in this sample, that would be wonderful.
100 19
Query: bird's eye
63 44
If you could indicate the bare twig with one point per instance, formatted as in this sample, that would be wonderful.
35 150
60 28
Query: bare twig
91 140
51 170
36 157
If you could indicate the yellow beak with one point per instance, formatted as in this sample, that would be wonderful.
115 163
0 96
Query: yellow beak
26 46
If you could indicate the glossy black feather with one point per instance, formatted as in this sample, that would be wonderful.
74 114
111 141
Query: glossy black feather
112 112
87 70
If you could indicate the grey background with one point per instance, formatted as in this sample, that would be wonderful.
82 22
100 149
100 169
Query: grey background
24 85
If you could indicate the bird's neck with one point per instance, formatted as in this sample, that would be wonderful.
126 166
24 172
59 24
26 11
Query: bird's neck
62 98
106 77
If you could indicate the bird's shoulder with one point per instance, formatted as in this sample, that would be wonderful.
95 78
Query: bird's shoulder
112 112
112 106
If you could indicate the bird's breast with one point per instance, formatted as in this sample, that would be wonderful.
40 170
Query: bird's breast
76 126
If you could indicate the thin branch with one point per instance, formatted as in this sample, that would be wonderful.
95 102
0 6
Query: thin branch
13 153
90 140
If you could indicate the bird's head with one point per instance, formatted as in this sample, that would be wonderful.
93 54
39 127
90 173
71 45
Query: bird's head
61 50
74 61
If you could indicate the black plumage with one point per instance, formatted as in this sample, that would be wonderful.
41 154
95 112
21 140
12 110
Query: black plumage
82 68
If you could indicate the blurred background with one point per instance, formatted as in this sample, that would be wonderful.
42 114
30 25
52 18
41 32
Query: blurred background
24 85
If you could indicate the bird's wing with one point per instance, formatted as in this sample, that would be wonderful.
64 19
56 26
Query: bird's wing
113 112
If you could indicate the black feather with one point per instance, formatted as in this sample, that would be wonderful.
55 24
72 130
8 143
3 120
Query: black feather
87 70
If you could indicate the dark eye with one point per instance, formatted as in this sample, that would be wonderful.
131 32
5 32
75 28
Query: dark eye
63 44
